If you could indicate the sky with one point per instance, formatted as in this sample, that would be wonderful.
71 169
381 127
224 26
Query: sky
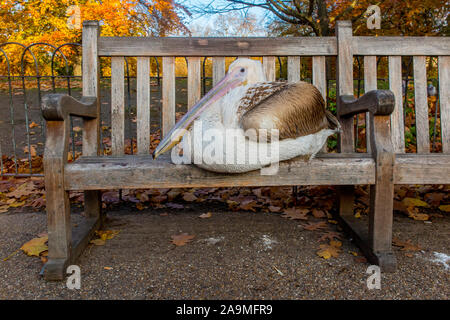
205 19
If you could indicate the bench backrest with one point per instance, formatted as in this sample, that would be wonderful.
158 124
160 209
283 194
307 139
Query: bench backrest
344 47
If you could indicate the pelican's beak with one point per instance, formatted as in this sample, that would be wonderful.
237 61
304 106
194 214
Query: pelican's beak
233 79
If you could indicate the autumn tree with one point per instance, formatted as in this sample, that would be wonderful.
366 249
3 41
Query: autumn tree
318 17
31 21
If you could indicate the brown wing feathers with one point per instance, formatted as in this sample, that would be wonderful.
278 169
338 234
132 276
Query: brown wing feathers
295 109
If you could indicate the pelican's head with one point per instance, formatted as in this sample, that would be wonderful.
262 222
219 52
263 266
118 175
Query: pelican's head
240 72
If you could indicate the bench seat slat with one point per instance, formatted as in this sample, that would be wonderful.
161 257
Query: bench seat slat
125 172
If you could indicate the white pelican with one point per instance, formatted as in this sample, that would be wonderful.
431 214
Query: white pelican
245 104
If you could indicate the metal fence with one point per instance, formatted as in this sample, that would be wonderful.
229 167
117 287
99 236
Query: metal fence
20 110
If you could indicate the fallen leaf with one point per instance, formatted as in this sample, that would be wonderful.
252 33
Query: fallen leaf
413 212
315 226
33 125
205 215
445 207
329 250
182 239
107 268
274 209
35 246
107 234
414 202
189 197
405 245
248 205
330 235
98 242
318 213
296 214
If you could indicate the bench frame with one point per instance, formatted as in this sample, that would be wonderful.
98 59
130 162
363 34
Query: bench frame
380 162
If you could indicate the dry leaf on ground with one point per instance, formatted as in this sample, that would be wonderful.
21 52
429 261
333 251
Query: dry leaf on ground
205 215
182 239
35 246
414 202
330 250
296 214
315 226
405 245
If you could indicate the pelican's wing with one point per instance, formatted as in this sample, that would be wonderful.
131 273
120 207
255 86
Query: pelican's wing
295 109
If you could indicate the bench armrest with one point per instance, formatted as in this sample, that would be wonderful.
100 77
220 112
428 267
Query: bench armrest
57 107
377 102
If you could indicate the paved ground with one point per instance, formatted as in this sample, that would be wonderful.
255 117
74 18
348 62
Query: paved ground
234 255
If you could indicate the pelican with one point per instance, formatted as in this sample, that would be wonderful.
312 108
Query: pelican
252 115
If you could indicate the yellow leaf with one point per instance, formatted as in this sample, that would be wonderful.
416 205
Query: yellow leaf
17 204
205 215
98 242
107 268
414 202
335 243
445 207
35 246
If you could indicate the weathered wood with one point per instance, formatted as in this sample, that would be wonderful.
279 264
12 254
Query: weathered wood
82 234
59 106
444 100
194 81
293 71
143 172
57 199
421 105
218 69
117 106
432 168
143 105
370 83
353 227
377 102
395 85
91 127
91 88
320 75
168 95
216 47
382 193
269 68
344 82
401 46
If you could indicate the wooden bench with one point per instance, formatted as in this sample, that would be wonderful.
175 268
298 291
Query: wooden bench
384 165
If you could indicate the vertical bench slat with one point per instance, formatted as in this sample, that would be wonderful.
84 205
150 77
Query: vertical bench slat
143 105
345 81
269 68
168 95
444 100
117 106
370 83
421 105
395 85
293 69
320 75
194 80
218 69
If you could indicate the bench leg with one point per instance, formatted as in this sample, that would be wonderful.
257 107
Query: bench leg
59 233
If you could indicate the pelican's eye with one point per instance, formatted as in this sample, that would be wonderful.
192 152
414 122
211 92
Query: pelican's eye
242 70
